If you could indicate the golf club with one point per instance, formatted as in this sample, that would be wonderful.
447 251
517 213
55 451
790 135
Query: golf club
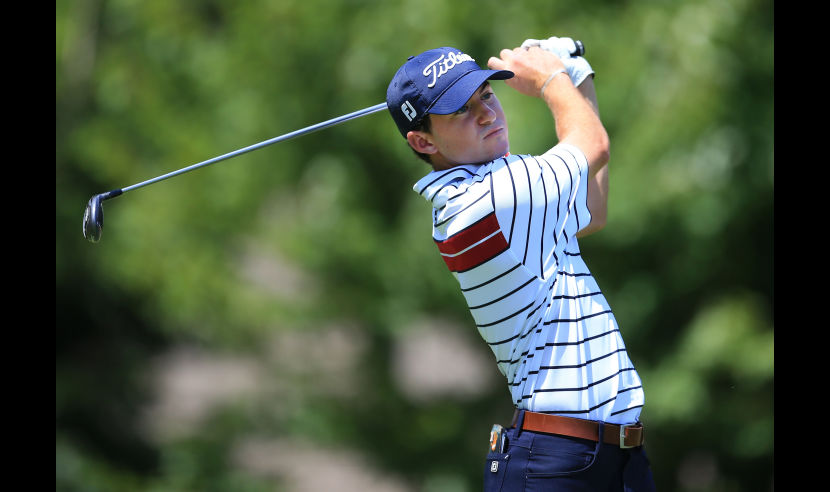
94 214
93 223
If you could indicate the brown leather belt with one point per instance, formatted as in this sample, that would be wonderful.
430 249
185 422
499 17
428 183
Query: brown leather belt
624 436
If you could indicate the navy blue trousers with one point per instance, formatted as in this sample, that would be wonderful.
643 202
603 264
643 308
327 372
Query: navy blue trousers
535 461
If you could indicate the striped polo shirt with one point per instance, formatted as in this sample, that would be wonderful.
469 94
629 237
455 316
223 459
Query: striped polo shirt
507 232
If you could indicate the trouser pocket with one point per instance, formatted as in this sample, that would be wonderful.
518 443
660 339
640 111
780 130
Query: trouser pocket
552 463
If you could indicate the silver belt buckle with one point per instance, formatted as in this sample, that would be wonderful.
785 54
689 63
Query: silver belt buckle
622 436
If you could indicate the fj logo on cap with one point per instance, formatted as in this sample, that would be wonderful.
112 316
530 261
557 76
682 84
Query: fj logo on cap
408 110
444 66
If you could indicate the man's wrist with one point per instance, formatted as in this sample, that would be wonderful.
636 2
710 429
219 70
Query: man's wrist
550 77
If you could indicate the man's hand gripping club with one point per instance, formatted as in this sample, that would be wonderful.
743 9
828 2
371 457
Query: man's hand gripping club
577 121
567 49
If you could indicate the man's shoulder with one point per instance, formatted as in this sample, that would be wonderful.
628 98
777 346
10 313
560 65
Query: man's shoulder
569 153
565 157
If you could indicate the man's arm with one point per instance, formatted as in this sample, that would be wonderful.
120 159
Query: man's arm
598 185
575 113
597 203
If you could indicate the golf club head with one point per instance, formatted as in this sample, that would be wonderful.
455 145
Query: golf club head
94 219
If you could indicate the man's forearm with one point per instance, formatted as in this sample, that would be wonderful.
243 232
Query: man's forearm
577 119
598 185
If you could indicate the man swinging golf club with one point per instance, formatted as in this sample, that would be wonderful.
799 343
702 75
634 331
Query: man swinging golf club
506 225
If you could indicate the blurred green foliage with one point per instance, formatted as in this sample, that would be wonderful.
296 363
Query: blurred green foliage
245 258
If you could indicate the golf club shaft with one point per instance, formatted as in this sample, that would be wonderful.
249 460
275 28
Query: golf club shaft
296 133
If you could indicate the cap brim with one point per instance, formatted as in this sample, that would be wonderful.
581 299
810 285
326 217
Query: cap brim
463 89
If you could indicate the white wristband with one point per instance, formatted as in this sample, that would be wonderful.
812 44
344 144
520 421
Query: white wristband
550 77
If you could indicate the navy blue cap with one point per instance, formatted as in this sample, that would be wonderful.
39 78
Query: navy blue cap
438 81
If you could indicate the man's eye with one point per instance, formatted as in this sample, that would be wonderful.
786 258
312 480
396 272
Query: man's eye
486 96
462 110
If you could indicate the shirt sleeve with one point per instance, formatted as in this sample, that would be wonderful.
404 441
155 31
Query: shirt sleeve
541 203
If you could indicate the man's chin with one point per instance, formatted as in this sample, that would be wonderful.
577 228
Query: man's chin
500 152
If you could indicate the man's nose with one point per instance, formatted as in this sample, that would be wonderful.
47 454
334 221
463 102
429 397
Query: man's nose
485 114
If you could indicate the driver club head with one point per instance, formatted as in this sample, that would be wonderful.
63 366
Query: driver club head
94 219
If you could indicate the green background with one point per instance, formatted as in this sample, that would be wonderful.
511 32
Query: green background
283 321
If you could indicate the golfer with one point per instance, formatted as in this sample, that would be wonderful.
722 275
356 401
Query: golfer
507 227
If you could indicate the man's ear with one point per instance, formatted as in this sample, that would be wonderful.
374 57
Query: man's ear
421 142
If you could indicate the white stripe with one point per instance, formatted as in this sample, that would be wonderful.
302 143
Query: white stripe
471 246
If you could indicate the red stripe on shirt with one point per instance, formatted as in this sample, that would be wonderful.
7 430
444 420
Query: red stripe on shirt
469 236
495 244
477 255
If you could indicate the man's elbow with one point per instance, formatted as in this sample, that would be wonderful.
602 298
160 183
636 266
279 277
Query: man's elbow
602 150
599 216
597 151
597 224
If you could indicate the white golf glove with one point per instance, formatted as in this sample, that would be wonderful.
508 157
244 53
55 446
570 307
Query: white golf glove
577 66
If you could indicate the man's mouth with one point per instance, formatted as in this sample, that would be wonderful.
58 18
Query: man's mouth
494 132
